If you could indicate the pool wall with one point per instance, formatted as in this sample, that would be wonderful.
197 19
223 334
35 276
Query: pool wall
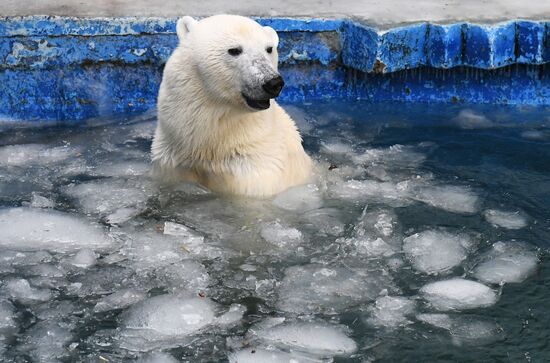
72 69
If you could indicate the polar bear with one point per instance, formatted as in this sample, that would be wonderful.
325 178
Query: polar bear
218 124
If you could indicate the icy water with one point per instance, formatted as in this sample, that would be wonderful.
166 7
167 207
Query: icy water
424 238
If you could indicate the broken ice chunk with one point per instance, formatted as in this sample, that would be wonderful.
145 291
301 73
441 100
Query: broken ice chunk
470 120
270 355
326 221
391 311
165 321
122 169
299 199
323 289
394 194
451 198
46 341
506 262
310 337
458 294
176 229
8 325
465 329
504 219
106 196
157 357
84 258
34 154
119 300
436 251
39 201
279 235
36 229
21 291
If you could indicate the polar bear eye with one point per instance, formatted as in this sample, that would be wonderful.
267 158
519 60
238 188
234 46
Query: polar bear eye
269 49
235 51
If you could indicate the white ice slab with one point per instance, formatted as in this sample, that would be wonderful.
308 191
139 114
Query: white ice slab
458 294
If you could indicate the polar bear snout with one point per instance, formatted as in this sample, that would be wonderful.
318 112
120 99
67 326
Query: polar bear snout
274 86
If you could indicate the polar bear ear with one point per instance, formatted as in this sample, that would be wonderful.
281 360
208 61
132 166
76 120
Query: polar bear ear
273 34
184 26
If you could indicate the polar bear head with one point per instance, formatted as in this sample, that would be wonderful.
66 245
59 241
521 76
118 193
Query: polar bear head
234 57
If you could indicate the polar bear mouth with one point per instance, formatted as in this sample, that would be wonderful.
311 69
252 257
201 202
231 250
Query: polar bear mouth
256 104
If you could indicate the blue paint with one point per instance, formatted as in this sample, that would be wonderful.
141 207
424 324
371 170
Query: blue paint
69 69
403 48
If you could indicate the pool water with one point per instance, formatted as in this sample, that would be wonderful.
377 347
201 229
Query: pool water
424 237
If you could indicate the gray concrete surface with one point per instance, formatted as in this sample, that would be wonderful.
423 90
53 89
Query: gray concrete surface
376 12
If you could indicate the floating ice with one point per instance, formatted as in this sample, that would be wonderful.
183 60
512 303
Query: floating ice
46 341
458 294
435 251
391 311
299 199
36 229
322 289
379 223
395 155
395 194
35 154
534 135
374 233
508 220
39 201
122 169
119 300
506 262
233 315
468 119
21 291
8 325
465 329
313 338
451 198
101 281
185 275
326 221
176 229
165 321
279 235
336 147
84 258
157 357
255 355
149 250
106 196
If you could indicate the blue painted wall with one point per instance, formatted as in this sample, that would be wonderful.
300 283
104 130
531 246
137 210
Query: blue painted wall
71 69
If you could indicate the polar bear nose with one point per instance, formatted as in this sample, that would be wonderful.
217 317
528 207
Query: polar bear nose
274 86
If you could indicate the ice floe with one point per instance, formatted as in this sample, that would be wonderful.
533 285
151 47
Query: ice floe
391 311
436 251
280 235
322 289
505 219
506 262
36 229
465 329
452 198
310 337
166 321
458 294
119 300
299 199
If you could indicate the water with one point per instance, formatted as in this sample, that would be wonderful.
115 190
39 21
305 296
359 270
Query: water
423 238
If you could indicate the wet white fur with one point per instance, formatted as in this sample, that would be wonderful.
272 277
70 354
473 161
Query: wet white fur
206 133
